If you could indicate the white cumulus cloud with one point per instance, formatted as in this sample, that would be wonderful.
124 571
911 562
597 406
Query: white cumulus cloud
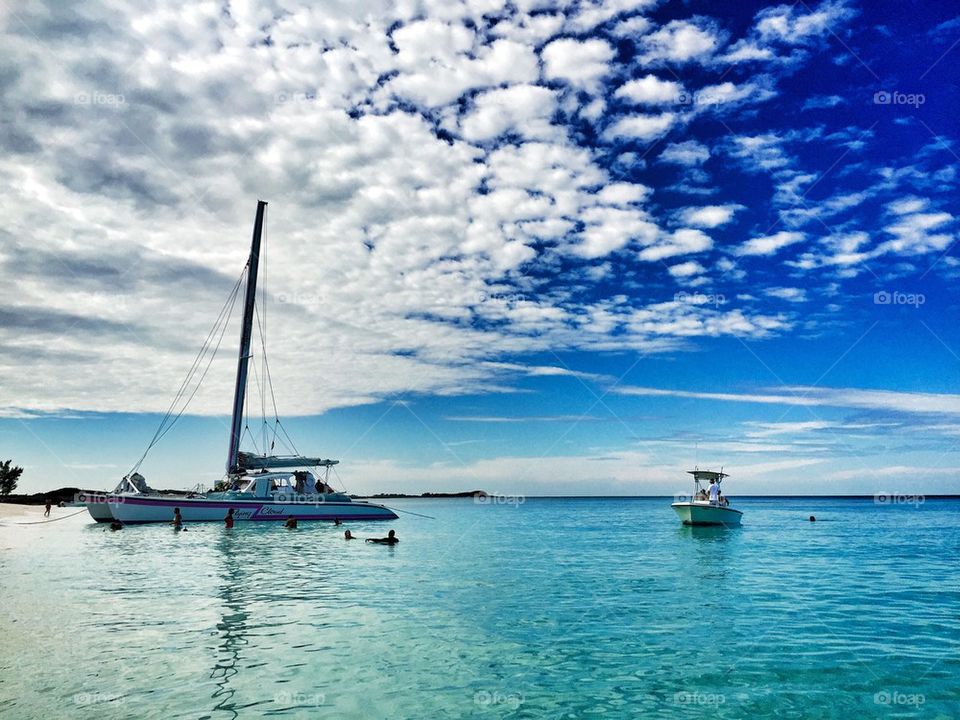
684 241
681 41
641 127
709 216
580 63
524 109
769 244
650 90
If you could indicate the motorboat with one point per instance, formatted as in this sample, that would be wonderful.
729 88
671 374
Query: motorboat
699 509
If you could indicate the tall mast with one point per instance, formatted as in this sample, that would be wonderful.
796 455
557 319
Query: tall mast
246 331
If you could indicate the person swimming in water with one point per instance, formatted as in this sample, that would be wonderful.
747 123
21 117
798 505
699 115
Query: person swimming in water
177 520
390 539
291 523
347 535
228 520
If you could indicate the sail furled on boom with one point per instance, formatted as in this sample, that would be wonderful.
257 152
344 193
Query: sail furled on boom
250 461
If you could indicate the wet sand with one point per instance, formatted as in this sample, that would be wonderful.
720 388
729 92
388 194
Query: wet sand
29 512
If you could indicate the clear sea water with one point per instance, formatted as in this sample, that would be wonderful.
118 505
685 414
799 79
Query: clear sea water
556 608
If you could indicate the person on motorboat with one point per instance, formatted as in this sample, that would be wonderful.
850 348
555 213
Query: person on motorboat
714 492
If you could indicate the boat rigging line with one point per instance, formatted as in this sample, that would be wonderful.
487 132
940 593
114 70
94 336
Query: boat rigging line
221 323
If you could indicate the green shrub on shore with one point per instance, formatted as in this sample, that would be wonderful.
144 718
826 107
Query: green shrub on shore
9 476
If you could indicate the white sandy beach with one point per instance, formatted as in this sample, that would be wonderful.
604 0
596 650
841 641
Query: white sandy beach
10 510
28 513
19 524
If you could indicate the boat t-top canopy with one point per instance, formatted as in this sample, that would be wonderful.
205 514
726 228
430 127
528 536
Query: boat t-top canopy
707 475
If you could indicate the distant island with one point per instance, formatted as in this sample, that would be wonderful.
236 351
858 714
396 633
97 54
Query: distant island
70 494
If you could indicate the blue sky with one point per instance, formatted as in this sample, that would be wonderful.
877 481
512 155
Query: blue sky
535 248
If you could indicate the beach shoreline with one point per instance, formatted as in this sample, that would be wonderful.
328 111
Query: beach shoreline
9 511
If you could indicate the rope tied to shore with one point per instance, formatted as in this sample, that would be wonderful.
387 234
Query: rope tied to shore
408 512
40 522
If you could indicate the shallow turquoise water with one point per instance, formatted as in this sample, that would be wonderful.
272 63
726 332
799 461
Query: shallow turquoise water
566 608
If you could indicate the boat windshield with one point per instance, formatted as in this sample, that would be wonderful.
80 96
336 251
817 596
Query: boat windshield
300 482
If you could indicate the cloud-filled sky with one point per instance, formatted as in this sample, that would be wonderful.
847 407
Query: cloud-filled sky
541 248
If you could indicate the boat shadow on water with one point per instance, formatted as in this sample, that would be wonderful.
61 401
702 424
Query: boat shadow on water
709 533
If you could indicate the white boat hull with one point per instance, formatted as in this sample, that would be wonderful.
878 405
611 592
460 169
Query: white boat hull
100 511
130 509
96 505
703 513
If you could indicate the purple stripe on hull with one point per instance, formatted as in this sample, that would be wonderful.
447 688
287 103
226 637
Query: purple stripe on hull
224 504
153 509
330 518
186 502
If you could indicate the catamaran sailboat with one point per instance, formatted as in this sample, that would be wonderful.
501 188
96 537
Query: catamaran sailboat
258 486
700 510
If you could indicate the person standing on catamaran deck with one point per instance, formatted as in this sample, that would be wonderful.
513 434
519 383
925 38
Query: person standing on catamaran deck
714 492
